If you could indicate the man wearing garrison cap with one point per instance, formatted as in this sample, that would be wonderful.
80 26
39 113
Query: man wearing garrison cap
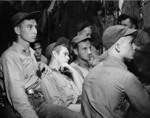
22 84
82 49
109 90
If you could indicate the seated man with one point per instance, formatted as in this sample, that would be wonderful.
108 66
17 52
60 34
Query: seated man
110 90
58 87
82 49
85 28
38 52
19 67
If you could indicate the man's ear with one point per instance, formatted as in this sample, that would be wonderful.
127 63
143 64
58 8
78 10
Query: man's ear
54 53
117 47
17 30
133 26
75 51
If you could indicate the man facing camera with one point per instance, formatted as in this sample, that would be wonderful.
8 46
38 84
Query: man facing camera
82 49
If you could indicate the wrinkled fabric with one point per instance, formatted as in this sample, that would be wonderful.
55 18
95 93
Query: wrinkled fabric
59 89
81 70
108 90
19 71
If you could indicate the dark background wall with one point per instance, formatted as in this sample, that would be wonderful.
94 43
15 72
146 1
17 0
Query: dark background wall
62 20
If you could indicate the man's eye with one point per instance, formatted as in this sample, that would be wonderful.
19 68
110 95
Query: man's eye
65 54
88 35
85 48
30 27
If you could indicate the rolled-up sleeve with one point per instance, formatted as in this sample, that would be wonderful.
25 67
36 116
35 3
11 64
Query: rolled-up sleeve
15 86
137 95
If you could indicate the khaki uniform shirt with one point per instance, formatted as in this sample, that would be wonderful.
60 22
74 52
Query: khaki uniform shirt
81 70
108 90
59 89
19 69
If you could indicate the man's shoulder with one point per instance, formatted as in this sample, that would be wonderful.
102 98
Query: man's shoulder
107 69
112 74
78 67
44 59
73 64
130 76
8 52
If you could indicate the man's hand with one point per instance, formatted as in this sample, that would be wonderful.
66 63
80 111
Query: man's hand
43 69
65 66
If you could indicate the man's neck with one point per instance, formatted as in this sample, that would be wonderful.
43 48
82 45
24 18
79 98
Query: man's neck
82 63
24 44
54 65
115 54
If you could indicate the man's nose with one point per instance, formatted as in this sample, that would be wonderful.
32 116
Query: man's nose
89 51
38 51
68 58
89 36
134 46
35 30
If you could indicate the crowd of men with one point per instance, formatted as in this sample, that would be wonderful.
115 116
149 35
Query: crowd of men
72 80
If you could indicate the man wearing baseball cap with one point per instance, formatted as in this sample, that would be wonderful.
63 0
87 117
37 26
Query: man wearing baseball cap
21 81
109 89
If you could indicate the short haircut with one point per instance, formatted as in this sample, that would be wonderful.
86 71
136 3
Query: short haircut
83 25
132 20
58 48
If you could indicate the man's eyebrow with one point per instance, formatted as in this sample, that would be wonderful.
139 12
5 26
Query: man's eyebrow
66 53
32 24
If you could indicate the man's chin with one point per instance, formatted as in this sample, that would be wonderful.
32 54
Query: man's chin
38 57
129 59
33 40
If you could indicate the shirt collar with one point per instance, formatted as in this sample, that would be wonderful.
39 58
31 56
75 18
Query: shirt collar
20 49
86 65
117 62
